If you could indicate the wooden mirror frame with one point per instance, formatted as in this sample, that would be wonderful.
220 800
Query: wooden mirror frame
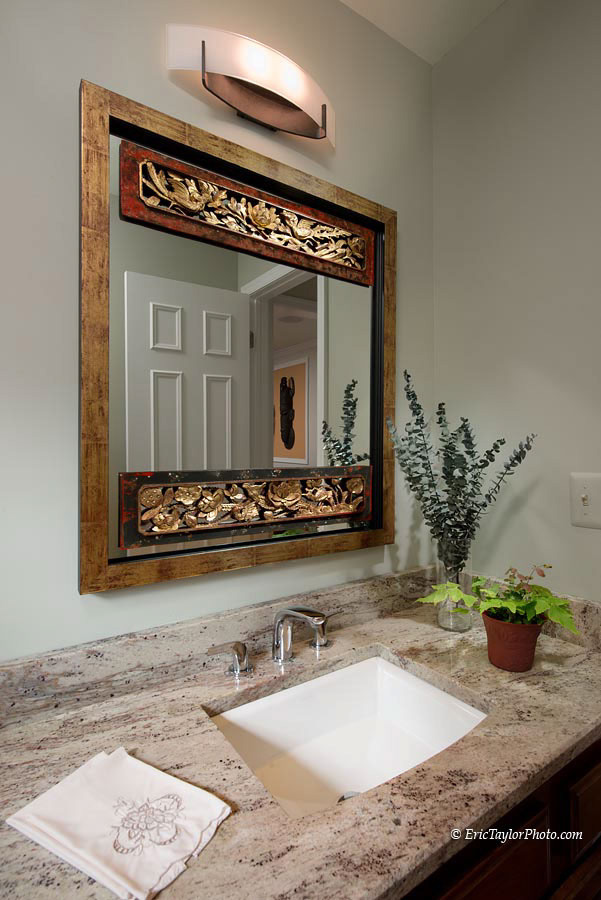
100 111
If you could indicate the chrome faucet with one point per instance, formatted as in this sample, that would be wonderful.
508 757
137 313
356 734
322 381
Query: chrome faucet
282 630
240 664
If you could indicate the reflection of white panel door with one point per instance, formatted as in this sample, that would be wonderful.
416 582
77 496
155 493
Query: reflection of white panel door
187 375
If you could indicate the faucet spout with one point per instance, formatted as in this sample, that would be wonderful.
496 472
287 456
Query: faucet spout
282 630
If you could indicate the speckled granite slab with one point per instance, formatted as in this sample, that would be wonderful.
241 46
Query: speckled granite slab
84 674
588 621
377 845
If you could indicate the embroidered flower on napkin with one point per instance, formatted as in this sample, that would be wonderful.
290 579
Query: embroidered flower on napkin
144 824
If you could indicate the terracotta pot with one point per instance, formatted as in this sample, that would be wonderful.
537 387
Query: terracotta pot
510 646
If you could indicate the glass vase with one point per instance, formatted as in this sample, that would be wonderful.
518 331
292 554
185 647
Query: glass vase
454 616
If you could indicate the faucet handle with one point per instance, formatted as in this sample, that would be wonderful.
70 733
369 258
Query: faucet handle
240 664
320 634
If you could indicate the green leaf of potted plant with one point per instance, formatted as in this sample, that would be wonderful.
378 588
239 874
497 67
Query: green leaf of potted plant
513 614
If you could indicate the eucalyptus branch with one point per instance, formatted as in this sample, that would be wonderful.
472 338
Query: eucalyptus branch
448 481
515 458
429 464
340 452
493 493
420 421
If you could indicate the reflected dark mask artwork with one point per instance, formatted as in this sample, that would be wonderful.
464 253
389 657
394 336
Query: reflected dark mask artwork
287 412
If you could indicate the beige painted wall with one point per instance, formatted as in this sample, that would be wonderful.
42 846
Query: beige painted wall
517 212
383 151
250 267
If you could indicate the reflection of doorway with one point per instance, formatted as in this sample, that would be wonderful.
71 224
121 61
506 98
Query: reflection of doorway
187 363
282 293
186 380
294 340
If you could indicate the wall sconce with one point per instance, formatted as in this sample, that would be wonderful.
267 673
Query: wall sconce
259 83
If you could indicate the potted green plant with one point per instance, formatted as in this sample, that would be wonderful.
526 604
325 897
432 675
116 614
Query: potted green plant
448 480
513 613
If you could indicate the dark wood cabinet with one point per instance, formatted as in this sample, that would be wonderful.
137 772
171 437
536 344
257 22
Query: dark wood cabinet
549 866
585 810
517 869
584 881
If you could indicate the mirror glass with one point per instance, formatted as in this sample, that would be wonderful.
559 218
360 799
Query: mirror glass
220 360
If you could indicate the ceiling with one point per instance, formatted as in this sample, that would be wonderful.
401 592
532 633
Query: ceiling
294 321
428 27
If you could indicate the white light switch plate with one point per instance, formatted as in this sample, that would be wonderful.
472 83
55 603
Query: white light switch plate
585 499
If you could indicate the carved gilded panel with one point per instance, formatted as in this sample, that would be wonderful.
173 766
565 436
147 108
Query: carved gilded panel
161 507
175 196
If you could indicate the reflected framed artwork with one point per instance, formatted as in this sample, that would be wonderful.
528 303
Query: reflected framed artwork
291 413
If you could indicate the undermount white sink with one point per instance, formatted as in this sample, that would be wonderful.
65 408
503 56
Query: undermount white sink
344 732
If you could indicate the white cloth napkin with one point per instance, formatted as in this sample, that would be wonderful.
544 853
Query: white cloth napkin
124 823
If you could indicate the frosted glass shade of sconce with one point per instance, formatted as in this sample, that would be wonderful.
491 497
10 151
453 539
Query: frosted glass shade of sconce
260 83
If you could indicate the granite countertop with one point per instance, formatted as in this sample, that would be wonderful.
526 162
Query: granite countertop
379 844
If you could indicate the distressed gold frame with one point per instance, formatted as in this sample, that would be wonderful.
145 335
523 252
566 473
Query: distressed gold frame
98 107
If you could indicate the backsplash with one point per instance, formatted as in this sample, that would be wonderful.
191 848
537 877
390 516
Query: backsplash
87 673
587 617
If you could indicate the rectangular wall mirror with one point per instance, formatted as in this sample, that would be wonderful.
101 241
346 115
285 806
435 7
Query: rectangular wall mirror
227 304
